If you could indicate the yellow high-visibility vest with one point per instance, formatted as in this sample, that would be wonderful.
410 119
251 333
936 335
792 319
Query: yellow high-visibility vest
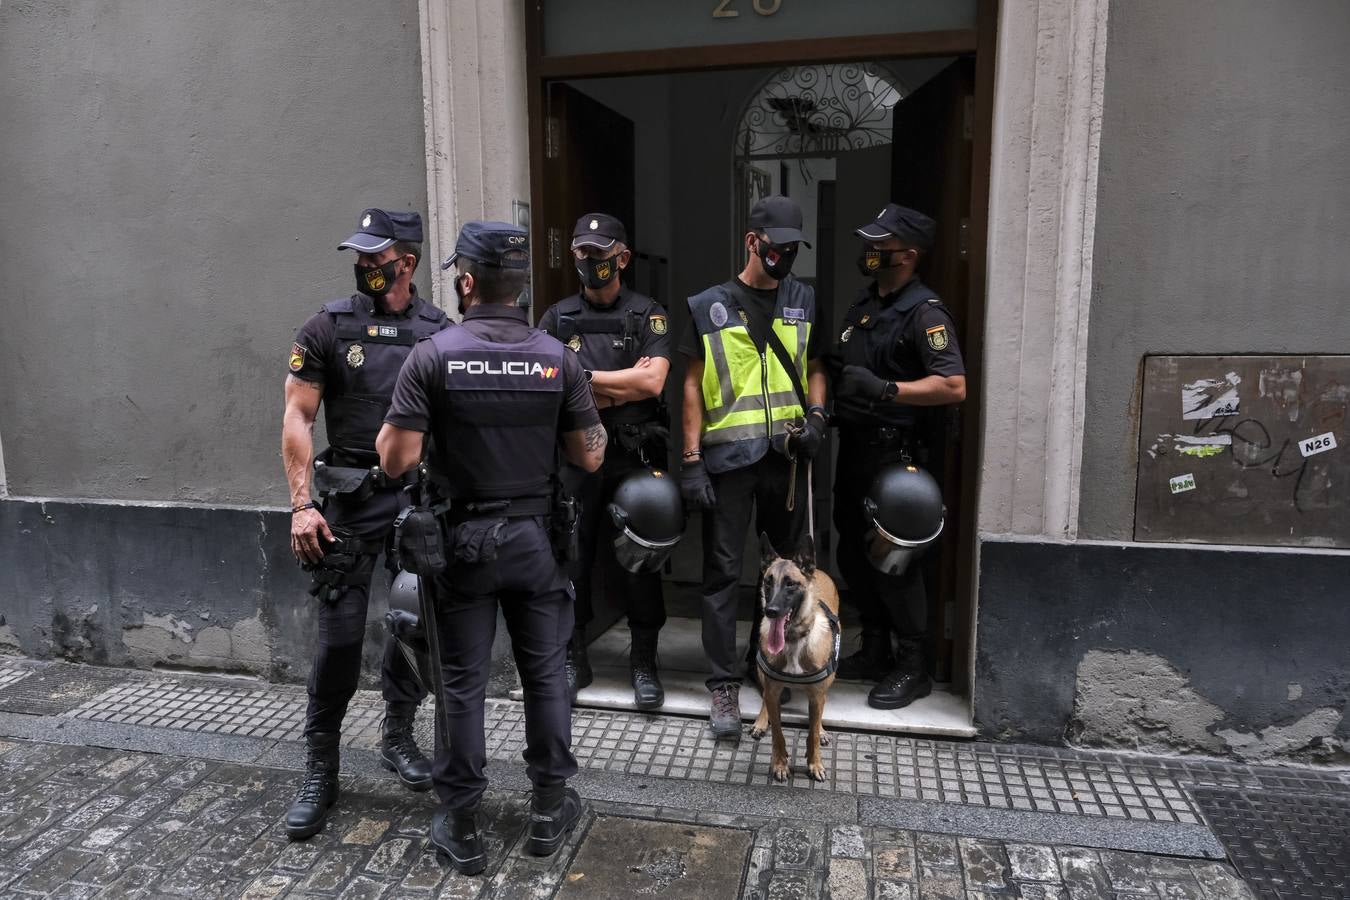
747 394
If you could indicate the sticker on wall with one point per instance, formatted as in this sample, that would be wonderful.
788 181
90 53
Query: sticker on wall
1320 444
1210 398
1182 483
1201 446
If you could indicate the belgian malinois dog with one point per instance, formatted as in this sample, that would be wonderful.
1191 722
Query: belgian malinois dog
798 647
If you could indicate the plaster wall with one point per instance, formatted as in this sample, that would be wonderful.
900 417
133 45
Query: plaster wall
177 178
1222 211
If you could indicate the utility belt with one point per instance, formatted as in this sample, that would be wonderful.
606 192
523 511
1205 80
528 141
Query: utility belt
884 437
637 438
355 475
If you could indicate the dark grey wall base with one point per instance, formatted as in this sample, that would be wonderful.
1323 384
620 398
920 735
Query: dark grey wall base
1233 652
162 586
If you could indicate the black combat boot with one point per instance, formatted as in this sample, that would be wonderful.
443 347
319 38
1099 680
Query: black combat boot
400 752
725 719
898 689
319 791
578 665
872 661
647 690
554 811
456 835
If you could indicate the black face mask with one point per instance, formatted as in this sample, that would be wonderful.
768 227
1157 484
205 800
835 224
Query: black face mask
777 258
596 273
376 280
873 261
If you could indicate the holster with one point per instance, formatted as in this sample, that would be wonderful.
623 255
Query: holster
563 525
419 541
341 566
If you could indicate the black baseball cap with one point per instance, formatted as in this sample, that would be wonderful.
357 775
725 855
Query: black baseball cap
598 230
380 228
780 218
909 225
498 244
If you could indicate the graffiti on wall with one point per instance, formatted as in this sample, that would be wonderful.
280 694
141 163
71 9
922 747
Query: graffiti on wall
1244 450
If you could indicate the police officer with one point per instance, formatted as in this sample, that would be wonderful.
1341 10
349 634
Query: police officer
621 339
347 356
497 397
753 372
896 355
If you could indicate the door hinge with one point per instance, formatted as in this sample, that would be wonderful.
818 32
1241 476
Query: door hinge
963 239
552 138
554 247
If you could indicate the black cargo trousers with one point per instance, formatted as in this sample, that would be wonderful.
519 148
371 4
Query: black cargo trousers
644 602
885 603
342 622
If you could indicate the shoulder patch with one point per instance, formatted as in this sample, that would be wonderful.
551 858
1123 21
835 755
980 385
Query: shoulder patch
937 337
657 324
297 361
341 305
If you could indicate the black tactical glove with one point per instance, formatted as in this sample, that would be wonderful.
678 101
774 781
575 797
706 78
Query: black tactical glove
695 486
857 383
805 444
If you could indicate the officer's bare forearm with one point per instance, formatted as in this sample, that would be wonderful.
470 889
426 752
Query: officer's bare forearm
932 390
815 382
297 435
692 417
585 448
400 449
641 382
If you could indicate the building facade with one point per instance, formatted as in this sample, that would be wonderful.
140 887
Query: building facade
1142 211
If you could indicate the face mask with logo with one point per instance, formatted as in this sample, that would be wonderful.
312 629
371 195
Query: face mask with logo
873 261
376 280
777 258
596 273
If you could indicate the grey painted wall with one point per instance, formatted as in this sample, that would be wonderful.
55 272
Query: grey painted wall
177 177
1223 206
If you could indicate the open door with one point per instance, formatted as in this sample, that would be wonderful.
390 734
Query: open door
931 172
589 162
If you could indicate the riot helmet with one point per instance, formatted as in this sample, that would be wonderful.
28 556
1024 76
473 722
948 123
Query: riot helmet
404 621
649 515
905 515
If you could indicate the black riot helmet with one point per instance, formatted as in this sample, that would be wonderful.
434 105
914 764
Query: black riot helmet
649 514
905 515
404 621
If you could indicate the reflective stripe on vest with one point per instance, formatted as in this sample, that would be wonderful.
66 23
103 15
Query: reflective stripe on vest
747 394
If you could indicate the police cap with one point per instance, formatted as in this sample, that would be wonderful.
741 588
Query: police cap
498 244
379 228
910 226
780 218
598 230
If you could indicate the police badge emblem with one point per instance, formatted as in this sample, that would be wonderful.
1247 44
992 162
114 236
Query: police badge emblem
375 279
574 343
658 324
848 333
937 337
603 270
356 356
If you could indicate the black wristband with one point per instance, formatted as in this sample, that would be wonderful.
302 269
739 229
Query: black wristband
303 506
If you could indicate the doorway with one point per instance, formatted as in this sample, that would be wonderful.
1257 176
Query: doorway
684 153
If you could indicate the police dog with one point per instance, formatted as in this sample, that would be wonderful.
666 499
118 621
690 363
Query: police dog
798 636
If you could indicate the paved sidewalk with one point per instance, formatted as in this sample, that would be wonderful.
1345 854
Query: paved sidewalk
104 794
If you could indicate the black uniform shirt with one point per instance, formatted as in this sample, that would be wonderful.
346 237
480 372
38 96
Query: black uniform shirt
596 350
904 336
316 341
412 406
758 304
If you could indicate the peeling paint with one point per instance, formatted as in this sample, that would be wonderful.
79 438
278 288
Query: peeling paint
167 640
1140 701
9 641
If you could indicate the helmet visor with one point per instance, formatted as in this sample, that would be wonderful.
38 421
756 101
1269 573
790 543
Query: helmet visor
891 555
637 555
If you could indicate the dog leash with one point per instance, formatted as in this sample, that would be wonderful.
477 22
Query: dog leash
791 503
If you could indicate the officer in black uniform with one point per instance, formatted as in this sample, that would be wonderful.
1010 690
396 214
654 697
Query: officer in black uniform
348 356
897 355
498 398
621 338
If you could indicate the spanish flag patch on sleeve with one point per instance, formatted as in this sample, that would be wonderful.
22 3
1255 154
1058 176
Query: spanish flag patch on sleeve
297 357
937 337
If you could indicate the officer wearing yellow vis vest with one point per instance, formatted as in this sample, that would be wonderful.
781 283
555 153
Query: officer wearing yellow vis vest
754 393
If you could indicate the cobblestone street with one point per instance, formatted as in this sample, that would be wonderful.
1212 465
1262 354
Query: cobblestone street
97 808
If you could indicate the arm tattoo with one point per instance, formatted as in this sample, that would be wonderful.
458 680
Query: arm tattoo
596 438
304 382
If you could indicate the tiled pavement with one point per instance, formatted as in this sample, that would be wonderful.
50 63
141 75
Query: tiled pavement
199 815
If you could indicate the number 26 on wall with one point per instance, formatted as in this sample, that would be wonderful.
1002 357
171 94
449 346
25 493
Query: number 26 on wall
724 8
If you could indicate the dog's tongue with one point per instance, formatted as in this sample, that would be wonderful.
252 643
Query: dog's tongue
777 635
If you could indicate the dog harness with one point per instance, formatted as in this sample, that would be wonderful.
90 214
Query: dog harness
818 675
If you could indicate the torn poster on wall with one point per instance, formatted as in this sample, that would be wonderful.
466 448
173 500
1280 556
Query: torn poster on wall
1254 455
